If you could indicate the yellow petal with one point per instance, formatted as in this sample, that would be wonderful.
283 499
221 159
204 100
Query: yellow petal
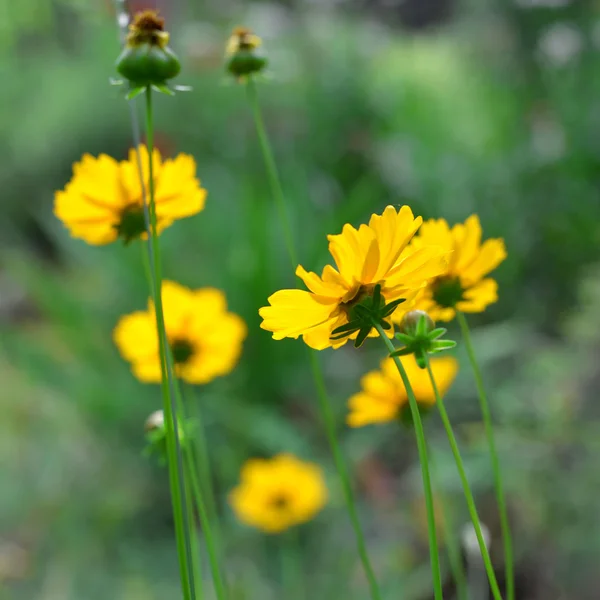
148 371
350 249
130 172
99 180
135 336
366 410
467 241
393 231
491 254
416 266
331 289
294 312
178 192
178 302
478 297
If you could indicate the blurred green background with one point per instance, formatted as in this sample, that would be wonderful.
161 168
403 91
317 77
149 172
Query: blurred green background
453 107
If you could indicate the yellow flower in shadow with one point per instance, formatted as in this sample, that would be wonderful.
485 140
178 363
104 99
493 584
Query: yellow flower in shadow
376 253
205 339
464 285
278 493
383 397
103 200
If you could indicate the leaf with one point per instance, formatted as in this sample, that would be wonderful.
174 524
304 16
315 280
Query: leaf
406 339
436 333
388 309
362 336
163 89
440 345
136 91
350 326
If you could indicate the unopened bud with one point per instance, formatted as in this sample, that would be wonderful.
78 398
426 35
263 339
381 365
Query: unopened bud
411 323
243 56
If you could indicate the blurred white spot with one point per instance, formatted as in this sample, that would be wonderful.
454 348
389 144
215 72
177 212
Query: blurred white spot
470 542
559 44
123 20
547 138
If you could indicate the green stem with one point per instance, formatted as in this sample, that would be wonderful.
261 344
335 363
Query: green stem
324 402
489 432
465 484
291 568
197 561
272 171
174 456
205 522
343 474
452 543
422 448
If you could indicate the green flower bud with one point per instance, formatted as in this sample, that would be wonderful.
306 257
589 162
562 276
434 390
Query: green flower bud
243 56
412 321
146 58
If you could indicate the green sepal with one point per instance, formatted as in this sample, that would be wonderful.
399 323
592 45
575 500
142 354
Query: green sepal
436 333
362 336
439 345
406 339
421 358
391 307
402 352
135 91
163 88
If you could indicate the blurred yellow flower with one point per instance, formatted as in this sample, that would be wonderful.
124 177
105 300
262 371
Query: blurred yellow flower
205 339
383 396
103 200
464 285
242 38
278 493
376 253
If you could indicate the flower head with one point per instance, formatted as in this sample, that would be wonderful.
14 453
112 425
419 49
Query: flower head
276 494
146 58
243 57
205 339
104 199
383 397
375 254
463 285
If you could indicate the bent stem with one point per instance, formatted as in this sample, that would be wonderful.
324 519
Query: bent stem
489 432
422 448
465 484
324 402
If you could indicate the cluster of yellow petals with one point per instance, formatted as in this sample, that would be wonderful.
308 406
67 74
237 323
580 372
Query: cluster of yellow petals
242 38
470 261
278 493
205 338
103 191
377 253
383 394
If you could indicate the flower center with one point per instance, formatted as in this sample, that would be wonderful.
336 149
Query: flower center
447 291
182 351
279 502
361 293
132 224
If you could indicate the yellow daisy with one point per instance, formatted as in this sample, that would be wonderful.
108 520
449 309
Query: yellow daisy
103 200
464 285
276 494
376 253
205 339
383 397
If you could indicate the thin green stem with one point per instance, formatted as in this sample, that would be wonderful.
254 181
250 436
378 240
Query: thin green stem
324 402
213 558
489 432
272 171
452 543
196 557
465 484
422 448
342 469
174 454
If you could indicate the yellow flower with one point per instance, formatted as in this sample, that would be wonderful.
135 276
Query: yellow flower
205 339
278 493
374 254
383 396
242 38
103 200
464 285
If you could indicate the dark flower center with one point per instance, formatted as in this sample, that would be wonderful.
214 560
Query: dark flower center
447 291
279 502
182 351
132 224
